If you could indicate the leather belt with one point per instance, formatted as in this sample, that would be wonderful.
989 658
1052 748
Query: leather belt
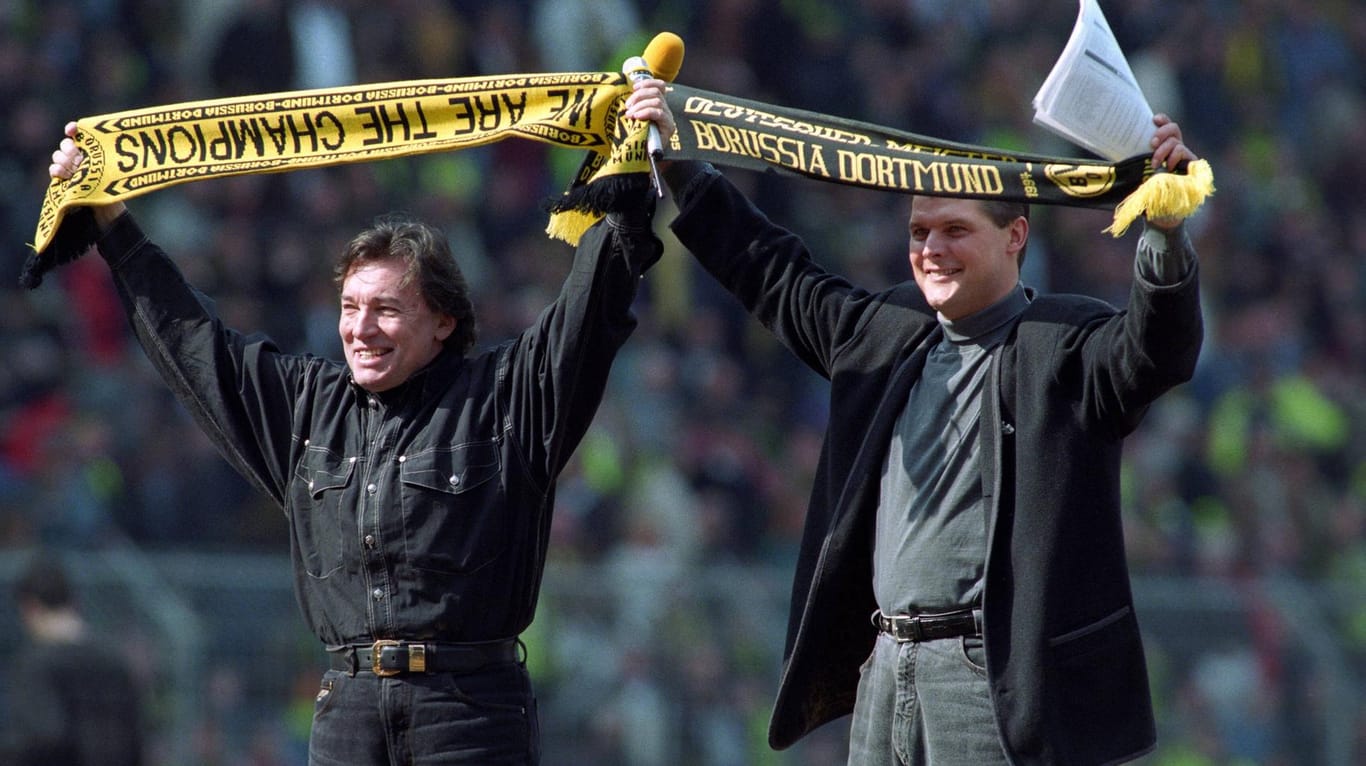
930 626
388 657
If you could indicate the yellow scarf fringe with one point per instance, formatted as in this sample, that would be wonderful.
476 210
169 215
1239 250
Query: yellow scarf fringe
1165 195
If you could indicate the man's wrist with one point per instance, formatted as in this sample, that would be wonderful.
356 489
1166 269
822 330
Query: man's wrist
106 215
1166 223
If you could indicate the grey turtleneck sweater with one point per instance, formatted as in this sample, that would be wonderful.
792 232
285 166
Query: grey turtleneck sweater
931 534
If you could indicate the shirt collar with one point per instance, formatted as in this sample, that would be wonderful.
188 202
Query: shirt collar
988 319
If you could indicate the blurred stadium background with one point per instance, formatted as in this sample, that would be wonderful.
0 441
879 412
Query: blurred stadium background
659 633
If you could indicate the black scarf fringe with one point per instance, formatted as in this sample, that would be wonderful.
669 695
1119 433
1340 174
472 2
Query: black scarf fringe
78 233
614 194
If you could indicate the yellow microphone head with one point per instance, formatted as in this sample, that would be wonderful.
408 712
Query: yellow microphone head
664 55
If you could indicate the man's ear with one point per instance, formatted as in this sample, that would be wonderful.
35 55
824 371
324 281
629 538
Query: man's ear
444 327
1019 236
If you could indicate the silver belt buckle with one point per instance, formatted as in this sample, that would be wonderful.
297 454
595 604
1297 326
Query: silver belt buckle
905 627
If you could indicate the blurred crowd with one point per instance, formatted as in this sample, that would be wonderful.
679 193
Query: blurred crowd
702 453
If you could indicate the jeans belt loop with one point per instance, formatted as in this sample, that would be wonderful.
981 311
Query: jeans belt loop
352 661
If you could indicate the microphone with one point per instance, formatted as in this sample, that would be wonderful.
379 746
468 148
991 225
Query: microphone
664 55
662 59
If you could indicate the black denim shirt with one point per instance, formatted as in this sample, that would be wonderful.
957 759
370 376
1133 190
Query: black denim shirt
421 513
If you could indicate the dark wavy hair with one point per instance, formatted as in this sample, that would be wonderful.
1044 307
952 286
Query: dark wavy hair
426 253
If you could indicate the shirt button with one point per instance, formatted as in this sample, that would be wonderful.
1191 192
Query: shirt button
455 481
369 541
371 489
378 593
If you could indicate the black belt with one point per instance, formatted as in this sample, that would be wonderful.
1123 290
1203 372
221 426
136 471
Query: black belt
390 658
927 626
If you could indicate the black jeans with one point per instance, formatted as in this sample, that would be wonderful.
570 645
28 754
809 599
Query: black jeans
486 717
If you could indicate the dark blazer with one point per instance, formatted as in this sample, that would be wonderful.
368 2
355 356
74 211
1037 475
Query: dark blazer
1064 657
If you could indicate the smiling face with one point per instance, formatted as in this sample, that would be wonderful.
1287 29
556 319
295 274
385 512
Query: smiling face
388 331
962 260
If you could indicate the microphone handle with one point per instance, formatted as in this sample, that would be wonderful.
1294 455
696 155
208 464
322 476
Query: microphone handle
654 145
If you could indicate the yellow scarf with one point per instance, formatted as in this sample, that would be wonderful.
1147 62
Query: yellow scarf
135 152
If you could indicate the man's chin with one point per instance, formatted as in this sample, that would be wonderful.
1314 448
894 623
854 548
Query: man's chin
370 380
938 299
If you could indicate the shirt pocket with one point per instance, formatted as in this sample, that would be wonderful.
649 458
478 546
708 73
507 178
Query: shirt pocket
316 517
454 518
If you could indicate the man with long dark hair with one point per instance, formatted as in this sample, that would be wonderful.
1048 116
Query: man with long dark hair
418 478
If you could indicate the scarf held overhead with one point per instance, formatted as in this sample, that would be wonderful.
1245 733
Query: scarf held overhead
742 133
135 152
139 151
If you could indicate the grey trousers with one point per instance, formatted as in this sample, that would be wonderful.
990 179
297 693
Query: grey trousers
924 704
